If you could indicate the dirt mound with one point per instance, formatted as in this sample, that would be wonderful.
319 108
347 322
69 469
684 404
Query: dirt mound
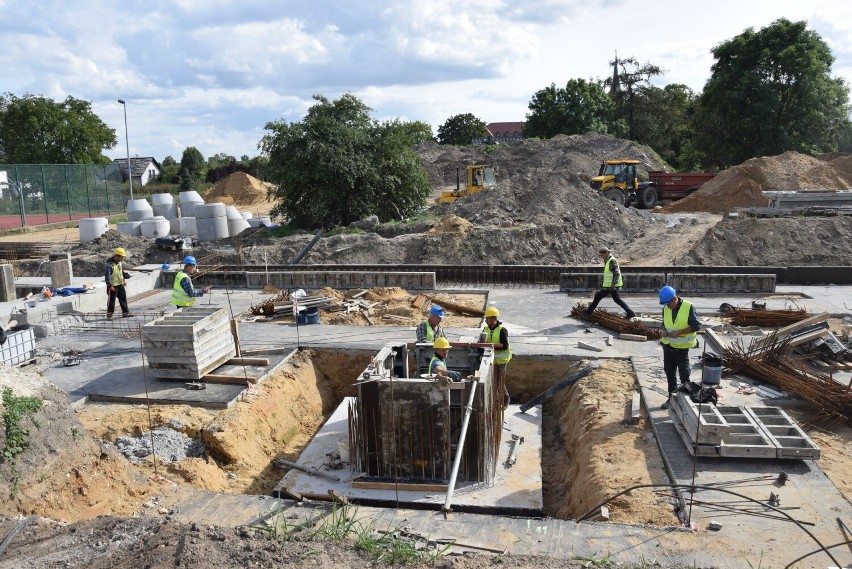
243 189
742 186
452 224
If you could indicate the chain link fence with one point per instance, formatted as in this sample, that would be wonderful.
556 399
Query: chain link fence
34 194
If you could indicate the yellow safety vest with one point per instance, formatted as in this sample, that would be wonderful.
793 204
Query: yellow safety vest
436 360
493 337
116 277
607 275
430 334
179 296
682 321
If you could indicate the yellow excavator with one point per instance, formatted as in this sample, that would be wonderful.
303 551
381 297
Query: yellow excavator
478 177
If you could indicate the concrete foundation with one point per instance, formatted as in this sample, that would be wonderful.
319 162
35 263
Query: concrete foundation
682 282
342 280
61 272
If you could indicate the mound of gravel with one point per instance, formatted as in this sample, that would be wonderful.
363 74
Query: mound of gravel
170 445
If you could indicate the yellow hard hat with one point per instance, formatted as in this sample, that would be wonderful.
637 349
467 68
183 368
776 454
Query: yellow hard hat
119 251
441 344
491 311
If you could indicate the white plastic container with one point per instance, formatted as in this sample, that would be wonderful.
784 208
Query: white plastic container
187 227
137 209
130 228
153 228
237 226
92 228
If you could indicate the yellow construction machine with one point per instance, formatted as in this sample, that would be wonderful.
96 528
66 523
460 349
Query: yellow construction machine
618 180
478 177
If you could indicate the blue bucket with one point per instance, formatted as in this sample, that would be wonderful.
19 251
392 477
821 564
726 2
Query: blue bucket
308 316
712 370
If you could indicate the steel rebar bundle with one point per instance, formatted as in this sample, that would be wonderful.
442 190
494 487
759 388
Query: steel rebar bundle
772 364
613 322
766 318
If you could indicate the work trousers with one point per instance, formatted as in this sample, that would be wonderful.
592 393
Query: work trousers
121 295
675 360
501 391
613 292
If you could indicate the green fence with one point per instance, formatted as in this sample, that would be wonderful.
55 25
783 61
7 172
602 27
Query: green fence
33 194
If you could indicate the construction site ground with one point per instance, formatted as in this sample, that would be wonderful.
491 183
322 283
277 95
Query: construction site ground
612 452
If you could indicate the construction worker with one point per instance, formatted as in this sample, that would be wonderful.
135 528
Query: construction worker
430 329
495 333
183 294
612 282
438 364
680 324
115 281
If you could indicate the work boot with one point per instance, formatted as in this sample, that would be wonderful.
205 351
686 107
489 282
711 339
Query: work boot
667 403
126 315
630 315
109 314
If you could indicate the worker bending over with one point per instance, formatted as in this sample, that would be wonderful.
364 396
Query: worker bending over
183 293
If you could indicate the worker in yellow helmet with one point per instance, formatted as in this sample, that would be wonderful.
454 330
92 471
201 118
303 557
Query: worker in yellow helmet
495 333
115 281
438 363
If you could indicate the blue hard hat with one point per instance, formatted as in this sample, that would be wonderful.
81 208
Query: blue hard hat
166 267
436 311
189 260
667 293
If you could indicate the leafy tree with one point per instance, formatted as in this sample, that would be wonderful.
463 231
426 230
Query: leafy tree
461 129
192 163
38 130
771 91
417 131
169 174
581 106
185 182
662 120
336 166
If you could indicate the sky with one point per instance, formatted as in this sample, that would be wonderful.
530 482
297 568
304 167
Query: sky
212 73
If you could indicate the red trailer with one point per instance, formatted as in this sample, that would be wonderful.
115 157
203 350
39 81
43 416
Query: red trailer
677 185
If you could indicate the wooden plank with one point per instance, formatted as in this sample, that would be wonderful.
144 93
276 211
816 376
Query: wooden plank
238 361
402 486
636 406
229 379
787 330
586 346
235 332
262 351
714 338
633 337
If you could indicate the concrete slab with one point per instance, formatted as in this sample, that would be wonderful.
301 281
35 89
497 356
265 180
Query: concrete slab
516 489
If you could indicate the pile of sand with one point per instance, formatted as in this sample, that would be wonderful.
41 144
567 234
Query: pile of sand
241 189
742 186
452 224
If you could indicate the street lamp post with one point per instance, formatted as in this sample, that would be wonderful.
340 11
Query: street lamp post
127 142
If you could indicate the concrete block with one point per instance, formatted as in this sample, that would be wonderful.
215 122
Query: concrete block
60 273
7 284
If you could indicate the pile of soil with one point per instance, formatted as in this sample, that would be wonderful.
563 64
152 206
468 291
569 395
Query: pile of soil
240 190
741 186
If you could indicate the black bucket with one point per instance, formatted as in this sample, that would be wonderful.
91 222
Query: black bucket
308 316
712 374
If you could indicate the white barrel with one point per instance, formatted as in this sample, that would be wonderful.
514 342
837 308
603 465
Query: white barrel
211 228
174 226
237 226
130 228
246 214
209 210
168 211
162 199
187 227
137 209
92 227
153 228
232 213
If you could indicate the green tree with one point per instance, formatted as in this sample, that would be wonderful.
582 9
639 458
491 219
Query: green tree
417 131
336 166
662 120
461 129
38 130
192 163
170 171
771 91
627 86
579 107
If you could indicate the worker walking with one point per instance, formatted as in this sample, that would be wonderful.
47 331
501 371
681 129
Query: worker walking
430 329
612 283
116 282
495 333
183 293
438 363
680 324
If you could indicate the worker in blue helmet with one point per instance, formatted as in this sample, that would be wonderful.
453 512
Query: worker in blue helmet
680 325
183 293
430 329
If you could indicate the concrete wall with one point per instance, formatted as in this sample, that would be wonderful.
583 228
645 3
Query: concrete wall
691 282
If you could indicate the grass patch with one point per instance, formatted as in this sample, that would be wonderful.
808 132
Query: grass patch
15 410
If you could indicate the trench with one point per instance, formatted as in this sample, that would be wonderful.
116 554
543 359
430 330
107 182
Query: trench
588 452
